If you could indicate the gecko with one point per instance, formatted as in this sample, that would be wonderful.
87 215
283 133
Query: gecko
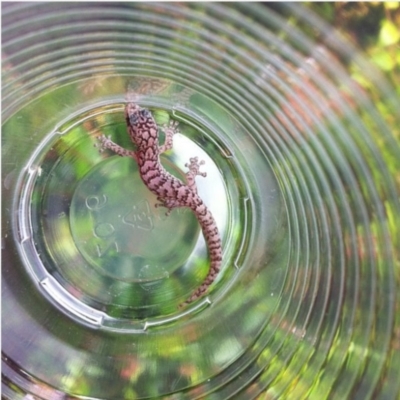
171 192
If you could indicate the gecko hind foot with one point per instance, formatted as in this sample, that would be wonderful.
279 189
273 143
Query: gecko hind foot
168 212
194 167
169 204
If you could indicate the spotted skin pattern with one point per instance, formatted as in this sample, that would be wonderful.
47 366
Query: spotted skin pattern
171 192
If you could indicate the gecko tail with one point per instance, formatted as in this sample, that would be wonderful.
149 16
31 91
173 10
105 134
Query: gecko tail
213 240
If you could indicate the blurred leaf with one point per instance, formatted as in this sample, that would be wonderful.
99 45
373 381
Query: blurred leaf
391 5
389 34
383 59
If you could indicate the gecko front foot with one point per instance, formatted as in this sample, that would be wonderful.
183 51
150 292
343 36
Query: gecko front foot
171 127
105 142
170 130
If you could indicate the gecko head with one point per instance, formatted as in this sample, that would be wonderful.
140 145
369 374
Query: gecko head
140 122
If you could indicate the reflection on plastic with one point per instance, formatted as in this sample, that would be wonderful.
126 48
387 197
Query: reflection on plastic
302 178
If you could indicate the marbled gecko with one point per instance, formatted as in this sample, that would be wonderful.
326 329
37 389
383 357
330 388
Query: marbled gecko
171 192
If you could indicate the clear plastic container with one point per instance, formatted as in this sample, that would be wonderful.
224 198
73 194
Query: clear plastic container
302 180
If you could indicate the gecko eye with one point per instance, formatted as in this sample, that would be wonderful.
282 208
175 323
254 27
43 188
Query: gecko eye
145 113
133 119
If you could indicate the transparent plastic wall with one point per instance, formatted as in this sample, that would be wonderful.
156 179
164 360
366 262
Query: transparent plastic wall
302 178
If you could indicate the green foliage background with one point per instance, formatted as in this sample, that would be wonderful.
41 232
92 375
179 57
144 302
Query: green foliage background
374 27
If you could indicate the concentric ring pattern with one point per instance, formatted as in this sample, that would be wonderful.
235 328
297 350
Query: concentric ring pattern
308 305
